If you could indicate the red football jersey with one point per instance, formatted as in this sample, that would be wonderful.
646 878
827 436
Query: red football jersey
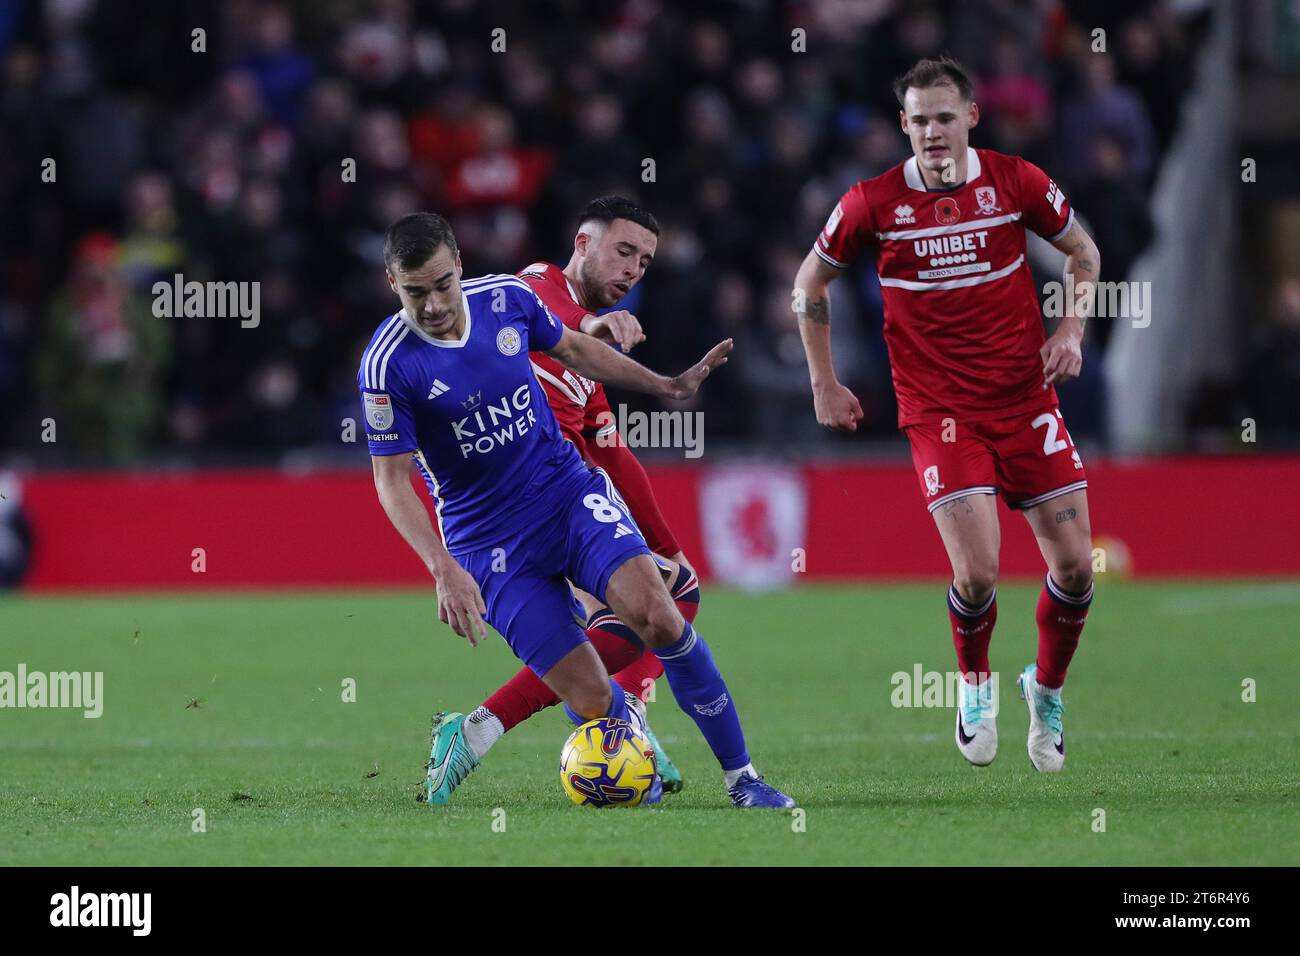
568 392
962 319
582 409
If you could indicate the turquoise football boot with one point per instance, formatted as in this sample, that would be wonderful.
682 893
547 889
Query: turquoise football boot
1046 730
450 760
668 772
977 728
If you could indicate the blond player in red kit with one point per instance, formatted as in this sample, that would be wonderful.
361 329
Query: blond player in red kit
974 373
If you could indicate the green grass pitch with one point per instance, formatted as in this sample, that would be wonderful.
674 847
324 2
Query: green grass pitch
233 704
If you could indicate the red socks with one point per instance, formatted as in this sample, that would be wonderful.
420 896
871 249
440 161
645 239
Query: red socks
639 676
1061 616
615 642
526 694
685 590
519 698
972 629
621 651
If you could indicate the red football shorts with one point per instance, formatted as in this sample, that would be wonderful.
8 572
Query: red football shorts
1028 458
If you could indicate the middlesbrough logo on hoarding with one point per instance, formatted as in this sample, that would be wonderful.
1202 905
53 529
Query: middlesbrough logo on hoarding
753 518
946 211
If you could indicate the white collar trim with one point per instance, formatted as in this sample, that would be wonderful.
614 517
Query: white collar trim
912 171
572 294
444 343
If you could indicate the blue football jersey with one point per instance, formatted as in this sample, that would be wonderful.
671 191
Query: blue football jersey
472 412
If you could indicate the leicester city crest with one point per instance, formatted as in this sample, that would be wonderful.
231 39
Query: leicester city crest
509 341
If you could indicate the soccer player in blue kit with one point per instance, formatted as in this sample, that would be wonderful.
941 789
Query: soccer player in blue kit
447 380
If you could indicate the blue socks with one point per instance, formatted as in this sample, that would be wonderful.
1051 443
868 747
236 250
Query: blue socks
617 706
702 693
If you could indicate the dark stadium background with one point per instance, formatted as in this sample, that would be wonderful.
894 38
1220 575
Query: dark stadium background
225 165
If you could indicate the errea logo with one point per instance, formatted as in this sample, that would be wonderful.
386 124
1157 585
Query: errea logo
904 214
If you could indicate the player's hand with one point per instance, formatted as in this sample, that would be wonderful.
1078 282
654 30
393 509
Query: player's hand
460 603
1062 356
689 382
621 328
837 407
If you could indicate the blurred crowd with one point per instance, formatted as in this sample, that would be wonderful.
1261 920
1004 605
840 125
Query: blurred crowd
223 156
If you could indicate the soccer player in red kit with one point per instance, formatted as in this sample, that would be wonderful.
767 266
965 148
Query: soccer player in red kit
614 245
974 374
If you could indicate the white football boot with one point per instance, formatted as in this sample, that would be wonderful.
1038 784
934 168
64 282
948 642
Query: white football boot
977 728
1046 732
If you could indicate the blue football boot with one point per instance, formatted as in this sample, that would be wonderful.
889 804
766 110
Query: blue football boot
752 791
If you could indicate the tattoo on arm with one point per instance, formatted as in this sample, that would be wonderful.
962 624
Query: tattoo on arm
1082 267
817 310
1067 515
957 503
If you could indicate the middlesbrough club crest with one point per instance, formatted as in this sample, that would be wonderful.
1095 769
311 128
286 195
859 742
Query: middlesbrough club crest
987 199
932 484
946 211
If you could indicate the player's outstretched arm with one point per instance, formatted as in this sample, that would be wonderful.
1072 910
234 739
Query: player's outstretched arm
1062 354
589 357
836 406
460 603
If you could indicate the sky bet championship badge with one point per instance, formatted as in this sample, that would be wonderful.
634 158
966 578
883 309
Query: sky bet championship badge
379 412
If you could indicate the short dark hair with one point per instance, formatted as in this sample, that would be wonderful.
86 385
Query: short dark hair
924 74
413 239
608 208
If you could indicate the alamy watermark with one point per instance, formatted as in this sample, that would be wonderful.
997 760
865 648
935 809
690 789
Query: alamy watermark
942 689
1115 300
660 429
208 300
130 910
77 690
